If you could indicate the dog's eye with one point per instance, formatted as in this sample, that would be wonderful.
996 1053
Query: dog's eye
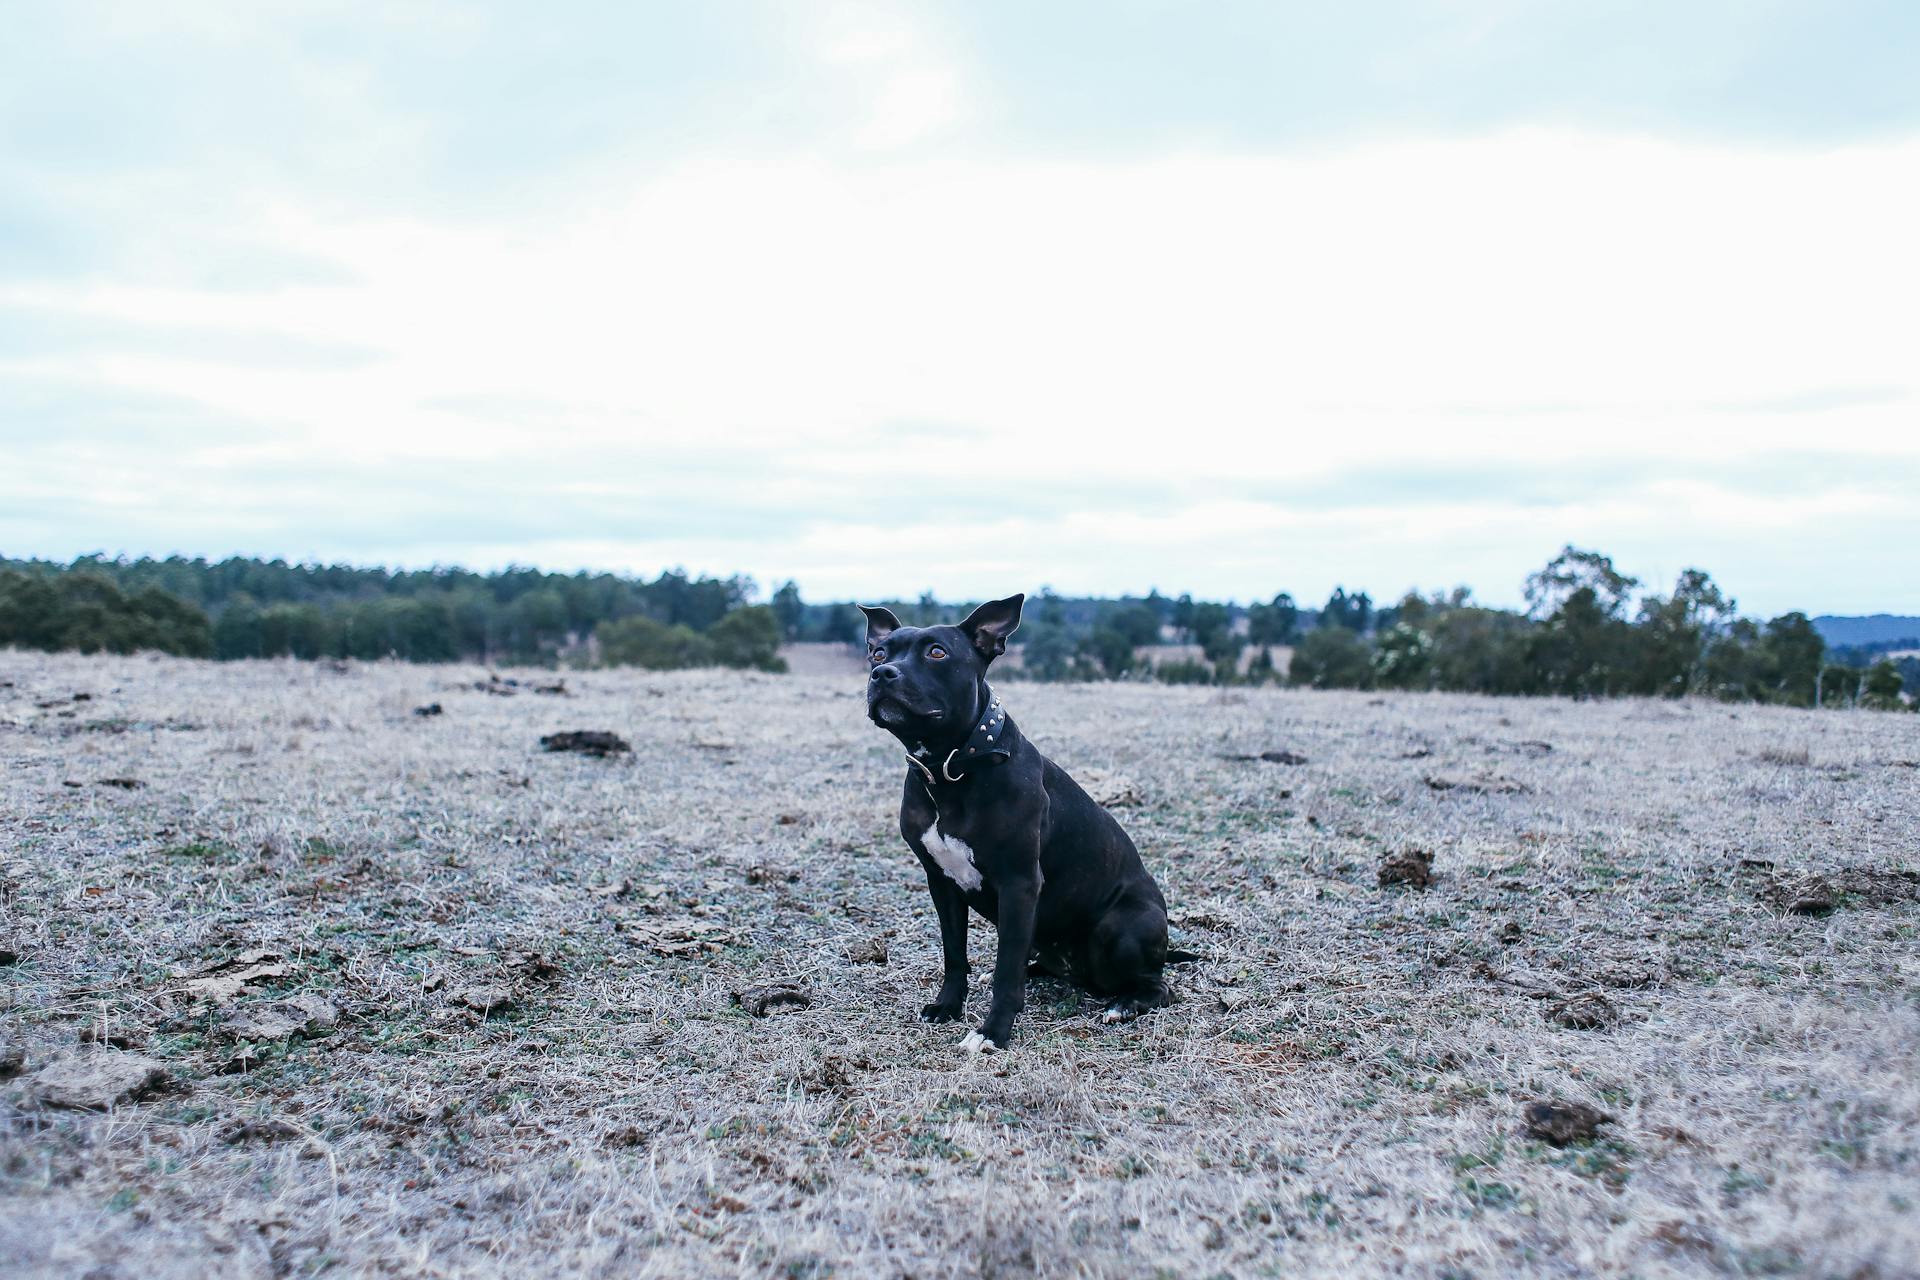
877 657
936 651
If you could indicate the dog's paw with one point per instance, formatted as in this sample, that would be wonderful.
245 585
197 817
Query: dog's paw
1121 1011
940 1013
977 1043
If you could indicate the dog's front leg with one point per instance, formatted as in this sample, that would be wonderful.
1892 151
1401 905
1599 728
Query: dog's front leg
1019 901
951 907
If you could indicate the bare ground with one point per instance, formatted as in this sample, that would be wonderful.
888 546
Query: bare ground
402 994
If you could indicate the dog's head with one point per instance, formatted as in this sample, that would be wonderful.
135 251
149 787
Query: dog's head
926 684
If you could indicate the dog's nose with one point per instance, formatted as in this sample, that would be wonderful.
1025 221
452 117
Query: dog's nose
885 673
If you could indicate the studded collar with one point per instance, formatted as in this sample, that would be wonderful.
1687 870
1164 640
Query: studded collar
985 746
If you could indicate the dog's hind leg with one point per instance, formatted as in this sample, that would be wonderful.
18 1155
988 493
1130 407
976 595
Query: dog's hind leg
1128 951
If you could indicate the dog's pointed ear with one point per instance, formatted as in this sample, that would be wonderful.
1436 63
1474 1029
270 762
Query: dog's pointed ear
880 623
990 625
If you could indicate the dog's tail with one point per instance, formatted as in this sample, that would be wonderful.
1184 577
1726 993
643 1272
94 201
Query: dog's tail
1177 956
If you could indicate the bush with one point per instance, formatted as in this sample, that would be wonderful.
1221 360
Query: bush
642 642
748 637
88 612
1881 688
1111 648
1332 658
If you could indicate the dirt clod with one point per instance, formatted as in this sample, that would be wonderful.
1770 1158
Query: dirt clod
1413 867
484 997
869 950
431 709
122 784
766 998
1625 977
1110 790
226 981
112 1035
683 936
838 1071
1486 784
1560 1123
1274 756
1806 893
592 742
1588 1011
244 1058
281 1020
97 1079
269 1130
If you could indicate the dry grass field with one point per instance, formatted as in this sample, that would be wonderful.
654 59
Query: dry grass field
370 992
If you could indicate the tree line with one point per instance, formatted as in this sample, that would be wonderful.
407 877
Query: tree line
248 608
1586 630
1584 633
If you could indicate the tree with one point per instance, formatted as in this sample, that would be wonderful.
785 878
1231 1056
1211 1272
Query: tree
1479 650
1139 623
1582 647
1274 623
1572 572
747 637
1111 648
1181 616
1049 650
788 609
1331 658
237 633
1675 633
1211 626
1343 610
1269 625
1402 657
1881 688
1791 654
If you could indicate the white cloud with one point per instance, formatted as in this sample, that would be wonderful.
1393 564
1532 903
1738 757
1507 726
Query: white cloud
1224 330
905 79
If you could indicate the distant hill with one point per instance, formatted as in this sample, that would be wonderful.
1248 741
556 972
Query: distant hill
1878 628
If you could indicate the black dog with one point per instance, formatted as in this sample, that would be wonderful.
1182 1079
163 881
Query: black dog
1002 829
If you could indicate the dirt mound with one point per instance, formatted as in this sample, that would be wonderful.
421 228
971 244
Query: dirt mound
592 742
97 1080
1562 1123
1409 867
1268 757
1811 893
766 998
1486 784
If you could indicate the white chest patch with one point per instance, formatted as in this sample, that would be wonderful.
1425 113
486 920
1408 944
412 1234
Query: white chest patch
954 857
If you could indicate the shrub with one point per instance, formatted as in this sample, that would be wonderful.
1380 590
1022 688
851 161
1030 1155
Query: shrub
88 612
642 642
747 637
1332 658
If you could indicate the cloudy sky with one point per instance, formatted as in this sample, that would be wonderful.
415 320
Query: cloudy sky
1224 298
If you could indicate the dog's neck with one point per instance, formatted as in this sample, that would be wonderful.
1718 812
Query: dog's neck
989 741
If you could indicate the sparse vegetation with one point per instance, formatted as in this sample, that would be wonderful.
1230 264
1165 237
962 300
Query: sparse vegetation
365 991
